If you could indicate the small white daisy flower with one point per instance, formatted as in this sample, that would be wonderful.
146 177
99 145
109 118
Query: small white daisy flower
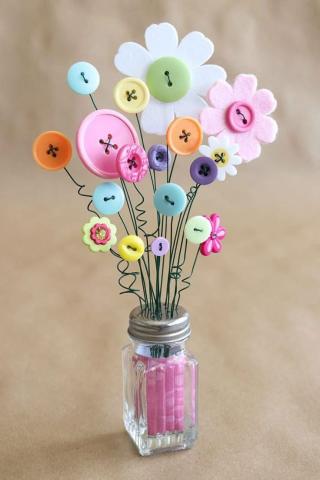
224 153
173 71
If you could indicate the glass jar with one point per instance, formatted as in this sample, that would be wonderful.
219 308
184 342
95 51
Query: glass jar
160 383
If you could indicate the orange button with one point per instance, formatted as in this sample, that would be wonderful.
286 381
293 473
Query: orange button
184 135
52 150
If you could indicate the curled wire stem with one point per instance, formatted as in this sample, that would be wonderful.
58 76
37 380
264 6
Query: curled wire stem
80 188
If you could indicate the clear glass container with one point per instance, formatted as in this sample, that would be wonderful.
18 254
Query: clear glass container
160 385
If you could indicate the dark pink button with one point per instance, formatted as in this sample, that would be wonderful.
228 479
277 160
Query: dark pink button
160 246
99 139
240 116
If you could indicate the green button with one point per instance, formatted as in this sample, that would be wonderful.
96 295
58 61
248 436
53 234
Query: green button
197 229
168 79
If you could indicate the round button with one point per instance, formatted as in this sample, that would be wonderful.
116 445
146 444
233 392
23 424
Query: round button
170 199
197 229
240 116
100 136
52 150
108 198
132 163
184 135
168 79
158 156
203 170
131 95
131 248
160 246
83 78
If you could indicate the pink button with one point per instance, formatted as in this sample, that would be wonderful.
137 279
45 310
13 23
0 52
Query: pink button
99 139
132 163
240 116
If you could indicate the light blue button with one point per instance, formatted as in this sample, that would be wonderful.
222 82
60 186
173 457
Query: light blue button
108 198
83 78
170 199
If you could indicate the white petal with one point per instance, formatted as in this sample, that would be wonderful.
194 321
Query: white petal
132 59
235 160
190 105
231 170
213 142
157 116
195 49
205 76
221 174
161 40
205 150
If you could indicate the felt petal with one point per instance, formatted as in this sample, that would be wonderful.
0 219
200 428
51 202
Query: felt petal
231 170
157 116
249 146
195 49
205 150
236 160
132 59
221 176
266 129
244 87
161 40
221 94
212 120
213 142
190 105
205 76
264 101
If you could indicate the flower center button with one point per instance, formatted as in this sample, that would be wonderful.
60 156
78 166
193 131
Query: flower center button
240 116
168 79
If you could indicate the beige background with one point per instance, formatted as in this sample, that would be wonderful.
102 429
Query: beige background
255 308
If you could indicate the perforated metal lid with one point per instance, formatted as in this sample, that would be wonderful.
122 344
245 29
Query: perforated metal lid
166 330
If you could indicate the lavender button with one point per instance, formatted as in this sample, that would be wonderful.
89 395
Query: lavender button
160 246
158 157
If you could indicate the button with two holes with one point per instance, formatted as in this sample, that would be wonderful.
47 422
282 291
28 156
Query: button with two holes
108 198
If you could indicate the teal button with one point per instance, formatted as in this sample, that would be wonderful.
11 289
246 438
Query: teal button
197 229
170 199
168 79
108 198
83 78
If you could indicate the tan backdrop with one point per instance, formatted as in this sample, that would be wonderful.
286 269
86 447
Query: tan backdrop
255 308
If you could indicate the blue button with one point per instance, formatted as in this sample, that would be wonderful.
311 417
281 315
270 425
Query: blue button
83 78
108 198
170 199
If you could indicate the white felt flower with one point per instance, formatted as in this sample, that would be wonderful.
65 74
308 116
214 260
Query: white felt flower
224 153
173 71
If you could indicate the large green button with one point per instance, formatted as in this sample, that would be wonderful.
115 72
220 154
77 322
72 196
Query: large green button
168 79
197 229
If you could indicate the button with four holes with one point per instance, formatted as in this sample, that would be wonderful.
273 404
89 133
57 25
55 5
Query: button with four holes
131 248
83 78
100 136
131 95
197 229
184 135
203 170
160 246
108 198
52 150
132 163
158 156
170 199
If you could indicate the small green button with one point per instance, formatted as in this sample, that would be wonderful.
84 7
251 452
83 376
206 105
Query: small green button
168 79
197 229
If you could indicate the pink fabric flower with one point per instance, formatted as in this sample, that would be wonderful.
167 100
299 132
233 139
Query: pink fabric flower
213 243
241 112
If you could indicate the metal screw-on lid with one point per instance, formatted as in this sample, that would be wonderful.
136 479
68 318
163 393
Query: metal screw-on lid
166 330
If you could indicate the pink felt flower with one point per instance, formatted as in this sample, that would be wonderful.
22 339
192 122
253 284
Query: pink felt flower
213 243
241 112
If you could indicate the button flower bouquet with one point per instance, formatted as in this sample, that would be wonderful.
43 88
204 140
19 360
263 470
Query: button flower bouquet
172 92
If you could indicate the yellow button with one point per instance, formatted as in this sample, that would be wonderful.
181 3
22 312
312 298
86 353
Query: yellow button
131 95
131 248
184 135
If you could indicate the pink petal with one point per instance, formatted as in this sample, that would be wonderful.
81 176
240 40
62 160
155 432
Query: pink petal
216 245
212 120
244 87
221 233
266 129
221 94
249 147
264 101
215 222
206 247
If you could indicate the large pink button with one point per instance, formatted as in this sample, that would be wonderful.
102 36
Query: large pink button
99 139
240 116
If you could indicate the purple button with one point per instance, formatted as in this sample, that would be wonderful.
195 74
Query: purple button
203 170
99 139
240 116
160 246
158 156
